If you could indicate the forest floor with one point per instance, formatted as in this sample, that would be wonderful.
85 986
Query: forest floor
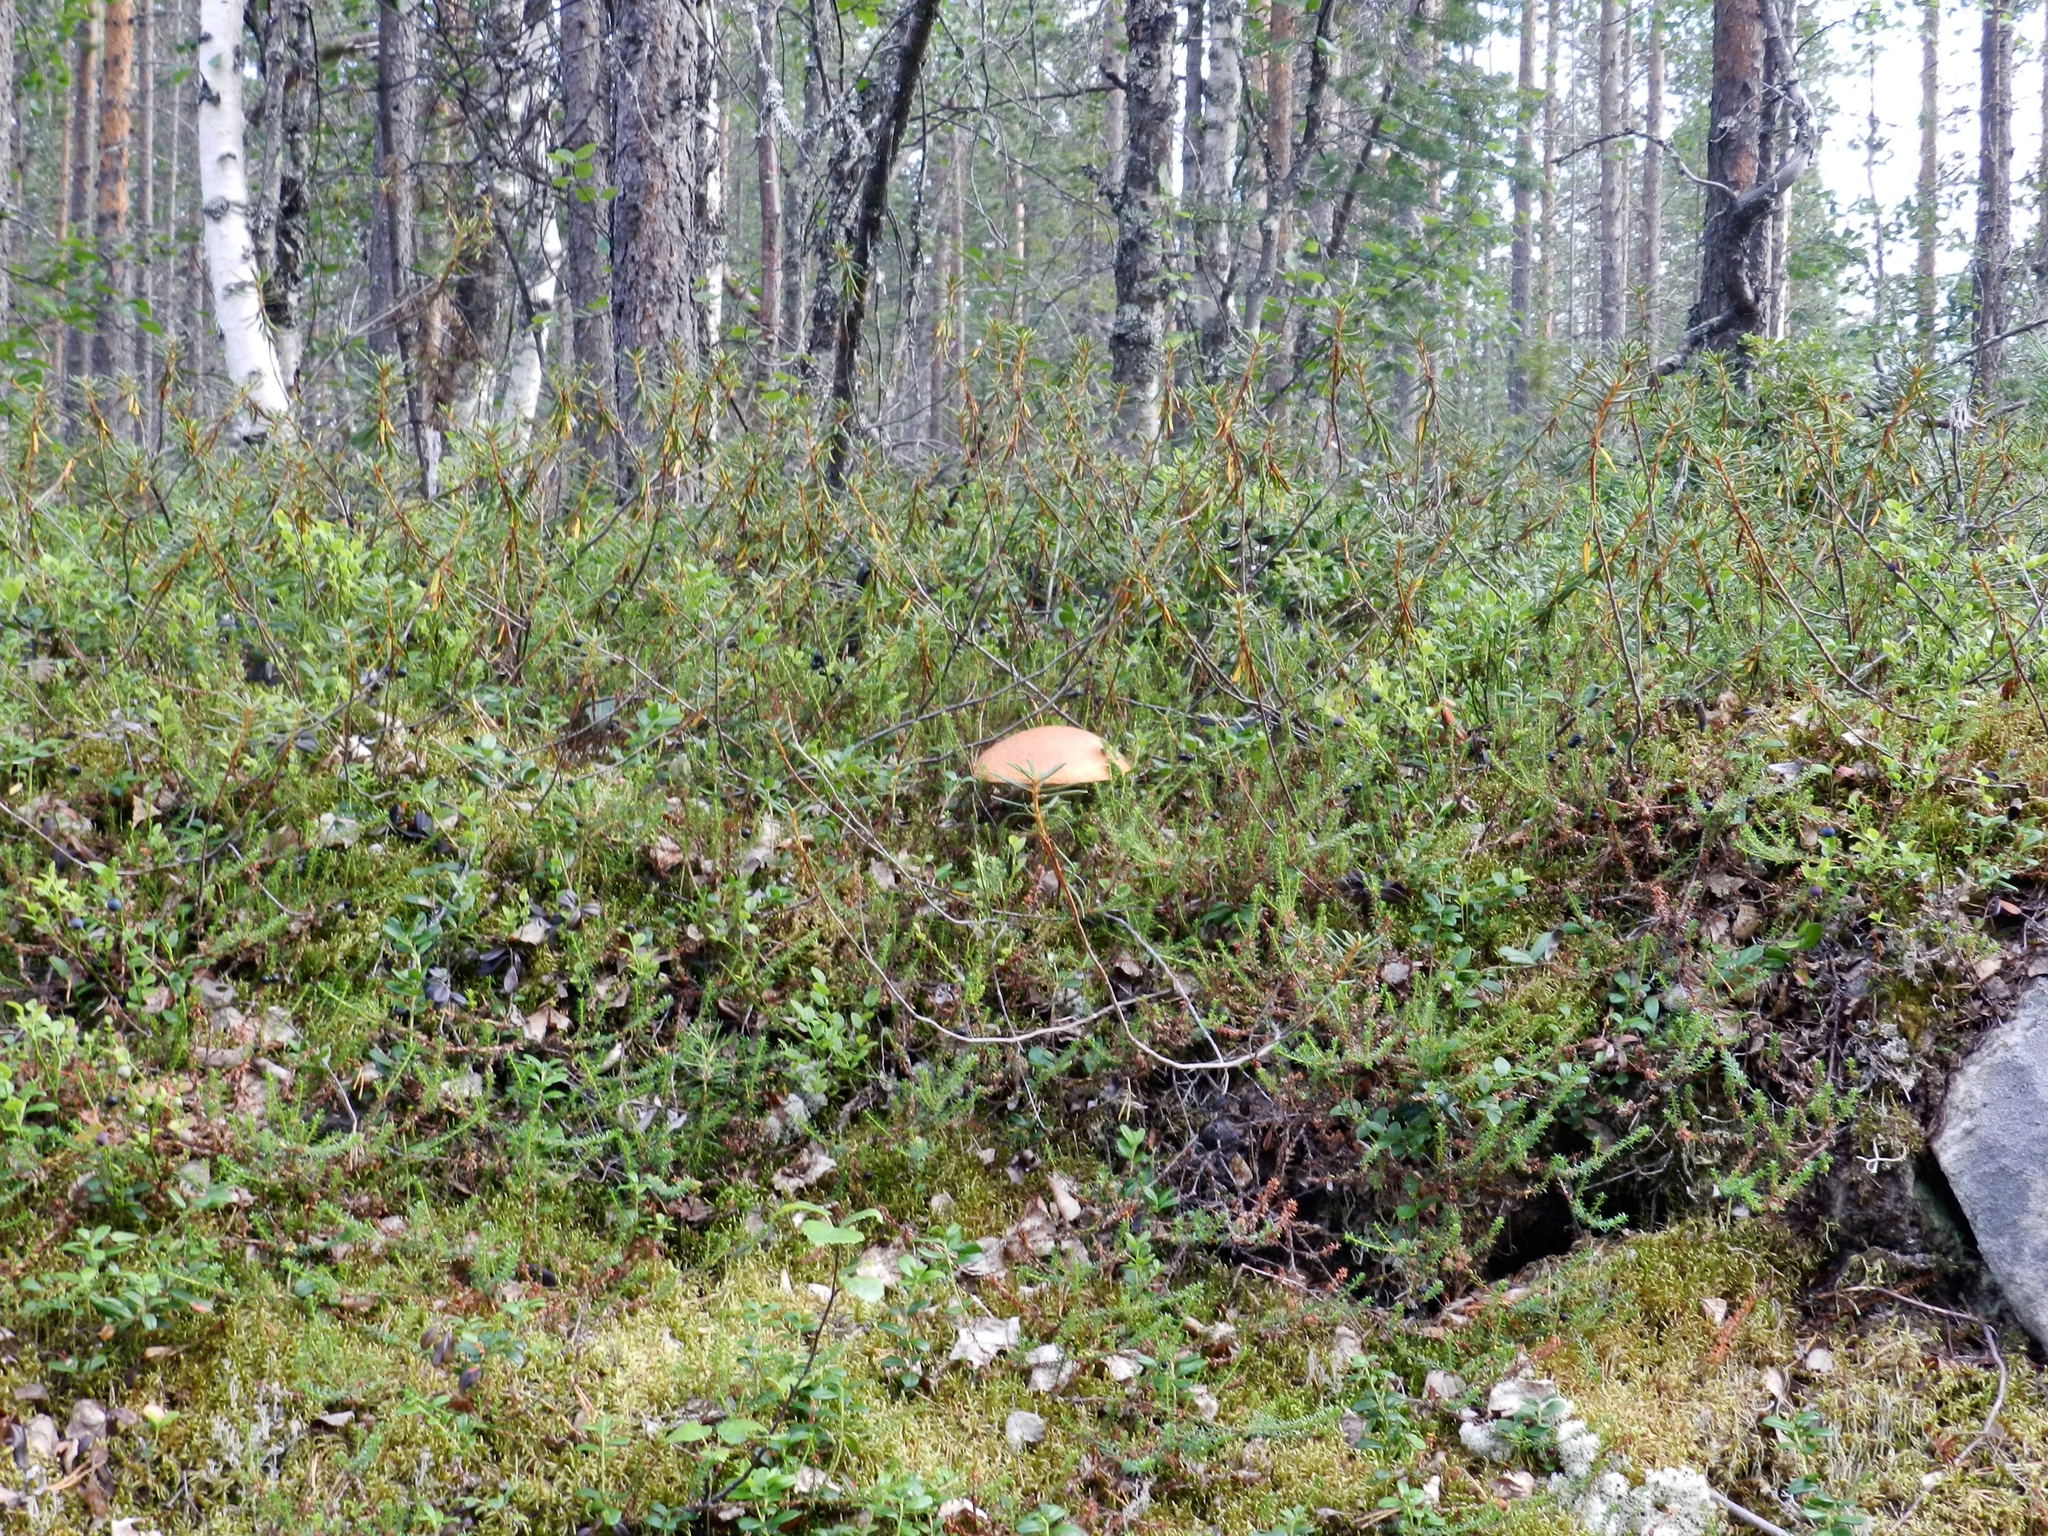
518 1018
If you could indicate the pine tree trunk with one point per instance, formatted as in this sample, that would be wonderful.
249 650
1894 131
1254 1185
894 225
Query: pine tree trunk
392 233
1994 199
110 203
1650 261
1137 336
1927 202
246 351
1755 155
668 230
1613 156
81 142
768 177
10 174
1521 253
145 184
1114 127
1192 47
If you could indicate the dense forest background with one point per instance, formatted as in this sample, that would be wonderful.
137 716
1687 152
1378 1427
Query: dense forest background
1461 200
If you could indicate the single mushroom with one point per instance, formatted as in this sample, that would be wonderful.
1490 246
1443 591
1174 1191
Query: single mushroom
1049 757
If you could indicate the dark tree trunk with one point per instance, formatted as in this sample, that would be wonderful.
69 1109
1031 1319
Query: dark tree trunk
768 175
589 170
81 139
1520 257
392 238
1613 156
278 222
1137 335
668 228
145 178
856 202
1994 200
1753 66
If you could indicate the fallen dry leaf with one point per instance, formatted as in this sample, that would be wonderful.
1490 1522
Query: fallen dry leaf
979 1342
803 1170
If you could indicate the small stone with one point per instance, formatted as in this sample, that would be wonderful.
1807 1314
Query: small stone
1023 1429
1820 1360
1206 1406
942 1207
1716 1309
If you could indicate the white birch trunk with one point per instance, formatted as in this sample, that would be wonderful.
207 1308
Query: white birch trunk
529 347
529 103
246 348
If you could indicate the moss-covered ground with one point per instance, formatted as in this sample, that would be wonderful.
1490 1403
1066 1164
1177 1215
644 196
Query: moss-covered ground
496 984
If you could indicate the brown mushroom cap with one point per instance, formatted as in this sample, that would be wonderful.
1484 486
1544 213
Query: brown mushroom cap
1049 757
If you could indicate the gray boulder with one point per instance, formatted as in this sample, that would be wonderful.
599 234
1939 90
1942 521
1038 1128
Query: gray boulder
1993 1147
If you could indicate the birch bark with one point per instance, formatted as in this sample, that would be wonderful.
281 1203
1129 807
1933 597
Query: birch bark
246 349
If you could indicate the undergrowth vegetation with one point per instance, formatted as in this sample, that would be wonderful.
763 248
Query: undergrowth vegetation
454 947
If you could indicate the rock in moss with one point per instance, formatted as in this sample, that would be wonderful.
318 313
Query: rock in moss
1993 1146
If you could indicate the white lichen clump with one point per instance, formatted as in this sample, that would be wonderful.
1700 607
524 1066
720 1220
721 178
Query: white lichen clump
1672 1501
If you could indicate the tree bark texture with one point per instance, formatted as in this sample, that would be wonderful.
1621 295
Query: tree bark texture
768 119
1994 199
1650 261
246 351
1753 69
1521 249
857 201
588 214
1613 157
1137 334
283 201
111 199
81 150
1213 229
668 227
393 254
145 182
1927 200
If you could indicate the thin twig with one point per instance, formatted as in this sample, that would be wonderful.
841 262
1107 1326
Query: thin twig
1664 144
1748 1517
